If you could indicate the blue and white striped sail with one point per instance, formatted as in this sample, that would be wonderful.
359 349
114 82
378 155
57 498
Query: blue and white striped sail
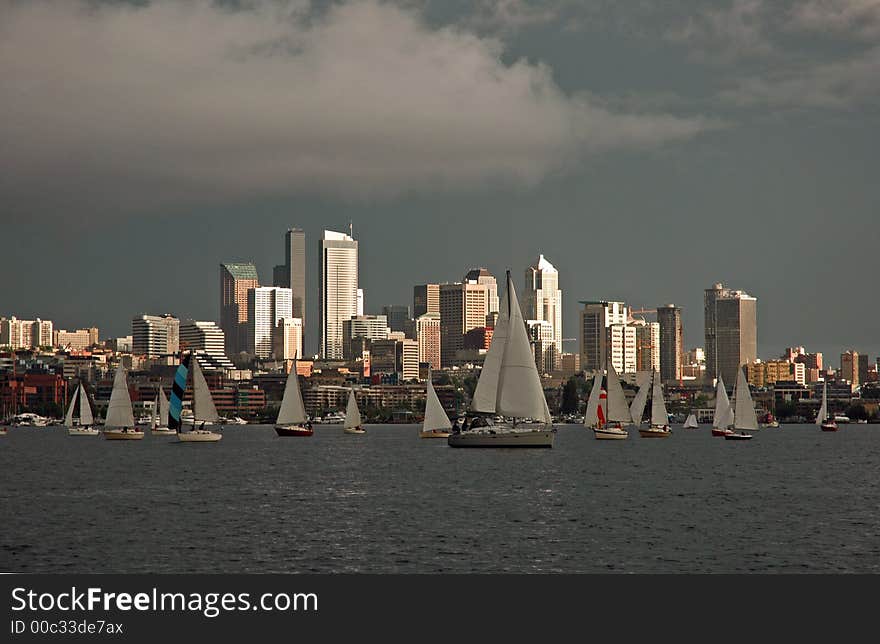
178 388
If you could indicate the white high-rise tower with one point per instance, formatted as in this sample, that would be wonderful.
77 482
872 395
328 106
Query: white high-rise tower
543 298
338 302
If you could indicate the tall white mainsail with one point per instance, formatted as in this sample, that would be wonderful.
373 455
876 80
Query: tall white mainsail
823 410
591 417
723 417
119 413
292 411
164 408
659 415
154 417
85 409
617 409
68 419
435 415
518 392
637 409
744 416
352 413
203 404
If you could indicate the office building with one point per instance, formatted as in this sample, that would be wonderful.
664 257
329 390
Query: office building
464 306
543 298
287 339
153 336
426 299
207 341
594 335
398 317
76 340
428 337
731 330
292 273
543 339
236 279
338 287
671 342
359 332
648 345
267 305
849 367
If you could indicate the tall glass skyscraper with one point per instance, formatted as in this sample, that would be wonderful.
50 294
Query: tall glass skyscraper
338 270
292 273
543 299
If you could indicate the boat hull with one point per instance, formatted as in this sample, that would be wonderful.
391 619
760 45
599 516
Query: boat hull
654 432
510 438
293 430
434 433
162 431
3 431
610 434
737 436
121 435
82 431
830 427
720 432
199 436
355 430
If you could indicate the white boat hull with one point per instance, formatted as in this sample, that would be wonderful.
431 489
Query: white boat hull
610 433
123 435
199 436
355 430
162 431
503 437
82 431
435 433
654 432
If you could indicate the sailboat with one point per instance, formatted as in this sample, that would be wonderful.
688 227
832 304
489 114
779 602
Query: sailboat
617 415
659 427
637 408
723 418
691 422
352 424
203 405
292 419
159 418
594 416
80 425
119 423
745 417
823 419
509 386
436 423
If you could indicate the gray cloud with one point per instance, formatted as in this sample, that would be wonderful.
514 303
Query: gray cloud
177 101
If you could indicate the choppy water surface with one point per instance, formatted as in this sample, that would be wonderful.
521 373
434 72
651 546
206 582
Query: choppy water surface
791 500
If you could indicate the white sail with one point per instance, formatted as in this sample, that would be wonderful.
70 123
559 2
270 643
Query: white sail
591 417
435 415
292 409
637 409
352 413
617 409
164 408
203 404
744 416
119 413
68 419
691 422
486 394
823 410
85 410
154 417
659 415
723 417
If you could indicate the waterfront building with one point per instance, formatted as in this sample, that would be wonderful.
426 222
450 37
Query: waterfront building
155 335
236 279
340 297
266 306
731 330
428 337
292 273
426 299
543 299
671 342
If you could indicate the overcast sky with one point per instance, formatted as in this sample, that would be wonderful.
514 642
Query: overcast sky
647 149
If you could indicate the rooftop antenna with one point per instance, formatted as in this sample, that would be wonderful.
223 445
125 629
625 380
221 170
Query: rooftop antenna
351 228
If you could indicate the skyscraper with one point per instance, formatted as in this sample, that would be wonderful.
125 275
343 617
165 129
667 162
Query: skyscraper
463 307
287 339
235 280
599 342
731 331
292 273
359 331
428 334
543 344
398 317
648 345
155 335
206 339
543 298
267 305
338 264
849 367
671 342
426 299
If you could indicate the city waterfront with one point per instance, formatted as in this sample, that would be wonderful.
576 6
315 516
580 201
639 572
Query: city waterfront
795 499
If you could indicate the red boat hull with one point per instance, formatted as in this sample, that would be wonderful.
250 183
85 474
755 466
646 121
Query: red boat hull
721 432
293 431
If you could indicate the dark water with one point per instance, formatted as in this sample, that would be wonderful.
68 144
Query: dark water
791 500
